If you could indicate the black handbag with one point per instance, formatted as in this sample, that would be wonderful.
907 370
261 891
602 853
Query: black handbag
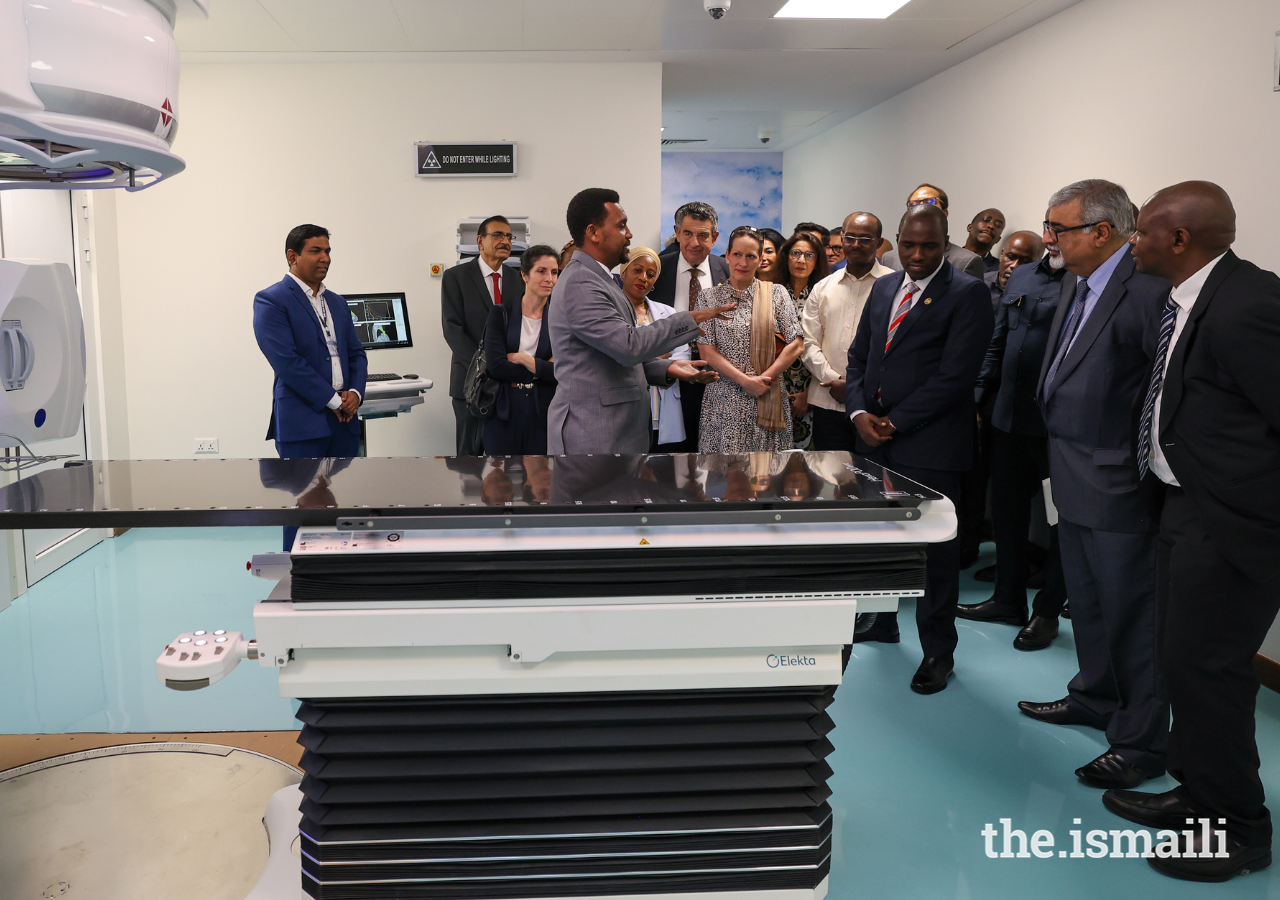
480 389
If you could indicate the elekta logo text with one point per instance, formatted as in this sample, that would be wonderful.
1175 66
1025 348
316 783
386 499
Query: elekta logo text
774 661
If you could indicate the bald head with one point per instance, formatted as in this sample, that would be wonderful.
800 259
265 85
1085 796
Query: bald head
1182 228
1022 247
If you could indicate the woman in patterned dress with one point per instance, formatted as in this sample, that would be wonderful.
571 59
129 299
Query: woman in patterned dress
746 409
802 263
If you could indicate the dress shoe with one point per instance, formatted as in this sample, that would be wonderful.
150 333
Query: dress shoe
1240 859
1066 611
1168 810
1111 770
932 675
1038 634
987 574
992 611
1059 712
876 630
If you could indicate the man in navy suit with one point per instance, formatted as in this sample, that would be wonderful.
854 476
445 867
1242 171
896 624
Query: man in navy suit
306 333
1092 385
688 269
909 391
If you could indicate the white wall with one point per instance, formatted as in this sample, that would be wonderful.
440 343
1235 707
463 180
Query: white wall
272 146
1146 93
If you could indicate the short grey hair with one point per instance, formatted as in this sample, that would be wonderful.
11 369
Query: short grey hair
703 212
1100 201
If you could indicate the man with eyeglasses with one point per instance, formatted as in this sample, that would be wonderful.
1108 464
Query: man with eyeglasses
830 319
689 268
835 250
962 259
1092 387
467 293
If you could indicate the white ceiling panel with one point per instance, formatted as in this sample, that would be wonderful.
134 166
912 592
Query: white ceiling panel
723 79
234 26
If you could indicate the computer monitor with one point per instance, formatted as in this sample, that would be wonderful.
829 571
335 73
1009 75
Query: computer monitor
381 320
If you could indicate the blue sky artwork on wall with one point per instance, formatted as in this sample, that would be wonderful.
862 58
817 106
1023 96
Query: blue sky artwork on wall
745 188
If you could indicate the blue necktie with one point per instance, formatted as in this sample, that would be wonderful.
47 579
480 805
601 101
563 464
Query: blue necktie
1167 325
1069 330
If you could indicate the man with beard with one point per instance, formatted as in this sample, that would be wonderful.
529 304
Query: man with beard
604 360
1006 395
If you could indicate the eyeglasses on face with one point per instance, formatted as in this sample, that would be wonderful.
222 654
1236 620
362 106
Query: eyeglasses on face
932 201
1054 230
861 241
500 235
803 255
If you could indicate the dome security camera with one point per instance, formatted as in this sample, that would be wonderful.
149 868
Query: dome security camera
716 8
765 135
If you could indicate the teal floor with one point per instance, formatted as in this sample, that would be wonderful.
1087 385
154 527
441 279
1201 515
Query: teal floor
917 778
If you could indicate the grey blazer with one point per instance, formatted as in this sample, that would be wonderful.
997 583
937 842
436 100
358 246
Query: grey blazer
965 260
604 363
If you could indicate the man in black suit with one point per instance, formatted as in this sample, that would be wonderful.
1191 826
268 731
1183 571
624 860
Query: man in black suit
1006 397
1092 384
688 268
467 293
1210 431
909 391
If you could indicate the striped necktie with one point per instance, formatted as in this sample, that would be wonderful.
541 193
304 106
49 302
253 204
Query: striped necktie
904 307
1069 329
1167 325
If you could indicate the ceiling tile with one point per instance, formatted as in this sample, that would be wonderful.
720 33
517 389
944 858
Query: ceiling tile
453 25
347 35
235 26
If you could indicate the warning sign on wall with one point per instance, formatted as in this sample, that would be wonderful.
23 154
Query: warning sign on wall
436 160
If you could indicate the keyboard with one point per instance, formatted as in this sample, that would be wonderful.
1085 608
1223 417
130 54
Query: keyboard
386 376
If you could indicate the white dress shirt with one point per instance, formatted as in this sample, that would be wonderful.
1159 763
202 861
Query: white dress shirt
684 271
922 285
829 320
321 308
1185 295
488 273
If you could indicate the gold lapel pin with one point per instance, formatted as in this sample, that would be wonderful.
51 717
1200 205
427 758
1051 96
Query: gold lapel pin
928 300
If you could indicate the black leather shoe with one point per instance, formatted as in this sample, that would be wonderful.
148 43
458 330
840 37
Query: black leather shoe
1168 810
1059 712
1239 859
1038 634
1110 770
992 611
932 675
876 629
987 574
1066 611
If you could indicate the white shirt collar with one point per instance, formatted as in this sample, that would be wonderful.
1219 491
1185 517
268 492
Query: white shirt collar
1185 294
306 290
484 267
877 270
684 265
922 283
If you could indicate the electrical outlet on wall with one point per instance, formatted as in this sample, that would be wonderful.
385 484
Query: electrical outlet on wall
206 445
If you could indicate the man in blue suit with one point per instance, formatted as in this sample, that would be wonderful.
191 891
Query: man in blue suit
909 391
305 332
1092 386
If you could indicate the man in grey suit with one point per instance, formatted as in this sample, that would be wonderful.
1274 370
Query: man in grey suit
964 260
1093 383
604 361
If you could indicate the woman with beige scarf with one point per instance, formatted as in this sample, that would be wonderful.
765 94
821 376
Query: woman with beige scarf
746 410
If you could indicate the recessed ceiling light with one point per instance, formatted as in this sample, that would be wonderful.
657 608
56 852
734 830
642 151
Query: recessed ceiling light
839 9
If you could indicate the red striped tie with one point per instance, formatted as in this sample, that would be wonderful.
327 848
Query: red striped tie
904 307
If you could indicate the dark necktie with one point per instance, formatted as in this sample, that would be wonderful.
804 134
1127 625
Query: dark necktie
695 287
497 291
1069 329
1167 324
